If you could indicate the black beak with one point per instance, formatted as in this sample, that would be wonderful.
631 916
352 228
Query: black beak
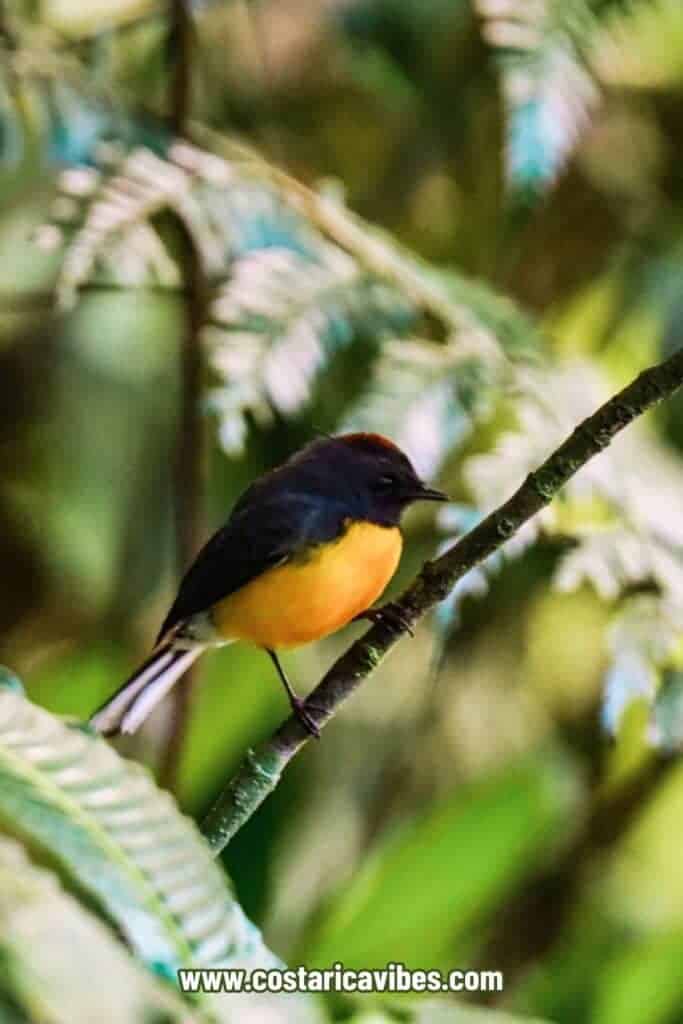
429 494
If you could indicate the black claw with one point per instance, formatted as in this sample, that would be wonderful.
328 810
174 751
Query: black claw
390 615
299 709
297 704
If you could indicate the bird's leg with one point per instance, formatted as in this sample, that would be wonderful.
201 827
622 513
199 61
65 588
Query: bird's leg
297 704
390 615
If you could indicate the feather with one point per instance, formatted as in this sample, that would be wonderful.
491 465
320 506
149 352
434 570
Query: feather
132 702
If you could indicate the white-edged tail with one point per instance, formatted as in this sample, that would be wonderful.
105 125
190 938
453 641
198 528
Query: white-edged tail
134 701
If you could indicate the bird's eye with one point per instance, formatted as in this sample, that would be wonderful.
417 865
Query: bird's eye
386 481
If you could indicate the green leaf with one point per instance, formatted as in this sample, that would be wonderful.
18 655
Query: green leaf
644 986
112 835
457 862
109 214
52 950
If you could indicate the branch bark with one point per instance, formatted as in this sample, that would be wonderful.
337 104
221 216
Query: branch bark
262 767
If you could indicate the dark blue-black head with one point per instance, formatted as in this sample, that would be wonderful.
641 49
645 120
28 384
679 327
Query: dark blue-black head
367 471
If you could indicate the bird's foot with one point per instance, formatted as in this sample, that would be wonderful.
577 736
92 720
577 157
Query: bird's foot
390 615
301 712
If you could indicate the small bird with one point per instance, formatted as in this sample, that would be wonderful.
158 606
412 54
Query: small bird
307 549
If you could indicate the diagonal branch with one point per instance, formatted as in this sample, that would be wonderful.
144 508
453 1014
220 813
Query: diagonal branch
261 769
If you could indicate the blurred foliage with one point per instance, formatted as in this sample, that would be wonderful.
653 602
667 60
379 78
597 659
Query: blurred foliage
495 796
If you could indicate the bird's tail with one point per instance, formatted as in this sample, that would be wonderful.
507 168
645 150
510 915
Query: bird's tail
133 702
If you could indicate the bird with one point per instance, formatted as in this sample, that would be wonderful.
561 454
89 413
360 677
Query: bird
308 548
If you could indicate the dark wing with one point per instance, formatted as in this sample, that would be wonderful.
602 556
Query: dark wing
258 536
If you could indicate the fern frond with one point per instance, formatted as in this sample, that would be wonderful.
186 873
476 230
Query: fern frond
115 234
53 106
455 304
616 558
428 395
618 510
296 277
277 320
111 211
252 205
110 830
548 90
493 319
617 513
112 835
414 397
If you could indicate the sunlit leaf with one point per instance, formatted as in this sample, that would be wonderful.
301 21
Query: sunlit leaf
617 513
635 479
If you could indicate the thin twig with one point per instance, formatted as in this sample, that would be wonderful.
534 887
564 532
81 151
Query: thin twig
190 447
386 259
262 768
180 53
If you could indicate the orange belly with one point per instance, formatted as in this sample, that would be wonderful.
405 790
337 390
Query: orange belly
304 600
